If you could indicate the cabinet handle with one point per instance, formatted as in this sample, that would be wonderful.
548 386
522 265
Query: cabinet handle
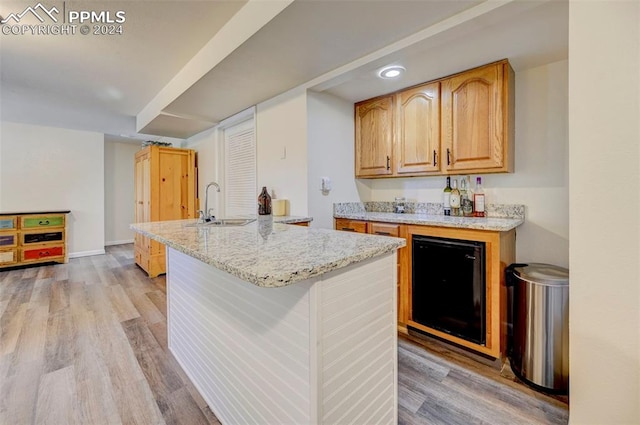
448 157
43 223
348 229
388 162
435 161
383 233
44 254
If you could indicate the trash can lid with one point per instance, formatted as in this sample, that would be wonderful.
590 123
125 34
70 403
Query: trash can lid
542 274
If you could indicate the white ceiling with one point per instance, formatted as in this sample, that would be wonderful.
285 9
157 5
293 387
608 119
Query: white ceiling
102 83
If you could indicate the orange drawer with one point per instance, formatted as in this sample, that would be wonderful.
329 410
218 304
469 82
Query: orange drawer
351 225
384 229
41 253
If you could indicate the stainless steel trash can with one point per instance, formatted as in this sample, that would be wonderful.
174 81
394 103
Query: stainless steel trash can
539 352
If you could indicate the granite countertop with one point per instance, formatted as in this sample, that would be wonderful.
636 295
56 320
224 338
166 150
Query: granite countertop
478 223
269 254
291 219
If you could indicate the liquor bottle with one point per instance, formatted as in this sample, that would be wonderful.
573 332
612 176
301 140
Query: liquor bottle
447 197
455 199
466 197
264 202
478 199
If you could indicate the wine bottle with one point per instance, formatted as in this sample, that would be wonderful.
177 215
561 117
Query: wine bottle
478 199
466 203
455 198
264 202
447 197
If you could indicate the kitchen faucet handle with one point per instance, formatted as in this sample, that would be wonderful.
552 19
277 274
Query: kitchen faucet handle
210 214
201 216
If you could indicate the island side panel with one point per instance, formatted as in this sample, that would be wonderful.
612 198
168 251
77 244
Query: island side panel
357 334
244 347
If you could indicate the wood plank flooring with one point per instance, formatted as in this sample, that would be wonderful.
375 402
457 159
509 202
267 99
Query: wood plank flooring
85 343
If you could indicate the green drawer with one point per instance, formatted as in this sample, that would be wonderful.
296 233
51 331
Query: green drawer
44 221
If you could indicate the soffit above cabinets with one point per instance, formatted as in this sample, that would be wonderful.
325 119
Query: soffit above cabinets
307 39
337 47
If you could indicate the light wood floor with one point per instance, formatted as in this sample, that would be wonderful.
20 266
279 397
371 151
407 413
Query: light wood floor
85 343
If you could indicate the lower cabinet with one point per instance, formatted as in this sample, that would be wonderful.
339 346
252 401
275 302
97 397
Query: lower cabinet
499 253
32 238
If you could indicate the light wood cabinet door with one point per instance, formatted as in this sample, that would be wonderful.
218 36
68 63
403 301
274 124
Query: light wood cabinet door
475 120
142 189
374 137
417 141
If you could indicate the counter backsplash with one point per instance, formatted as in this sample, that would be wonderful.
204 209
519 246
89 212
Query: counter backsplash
427 208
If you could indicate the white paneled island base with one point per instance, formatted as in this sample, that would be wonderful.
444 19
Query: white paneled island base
319 351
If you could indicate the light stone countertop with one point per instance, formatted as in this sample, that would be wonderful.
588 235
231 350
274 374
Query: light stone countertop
269 254
291 219
478 223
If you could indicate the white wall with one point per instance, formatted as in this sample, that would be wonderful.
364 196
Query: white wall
330 133
45 168
540 180
209 167
119 191
281 137
604 142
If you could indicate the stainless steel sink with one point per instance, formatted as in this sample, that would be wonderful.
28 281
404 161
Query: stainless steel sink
223 222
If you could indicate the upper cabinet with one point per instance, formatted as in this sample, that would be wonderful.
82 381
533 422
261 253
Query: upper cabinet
417 138
374 137
461 124
476 110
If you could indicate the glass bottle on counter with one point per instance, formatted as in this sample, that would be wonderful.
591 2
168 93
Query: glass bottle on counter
478 199
455 198
264 202
447 197
466 204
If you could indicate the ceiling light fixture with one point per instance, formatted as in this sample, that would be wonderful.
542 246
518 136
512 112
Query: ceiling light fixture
393 71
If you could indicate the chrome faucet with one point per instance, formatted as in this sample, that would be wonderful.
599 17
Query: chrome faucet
206 214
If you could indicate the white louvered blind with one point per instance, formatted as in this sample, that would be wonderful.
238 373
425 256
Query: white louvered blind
240 192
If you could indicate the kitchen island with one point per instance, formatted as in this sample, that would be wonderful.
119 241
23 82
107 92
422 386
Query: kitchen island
282 324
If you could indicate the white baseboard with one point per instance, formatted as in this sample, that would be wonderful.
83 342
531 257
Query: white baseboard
86 253
122 242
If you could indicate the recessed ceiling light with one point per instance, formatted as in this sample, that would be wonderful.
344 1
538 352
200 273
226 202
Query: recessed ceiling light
393 71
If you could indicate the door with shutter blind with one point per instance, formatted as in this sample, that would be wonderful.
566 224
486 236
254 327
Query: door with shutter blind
240 188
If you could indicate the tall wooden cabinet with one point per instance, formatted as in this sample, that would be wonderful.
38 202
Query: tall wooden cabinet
165 189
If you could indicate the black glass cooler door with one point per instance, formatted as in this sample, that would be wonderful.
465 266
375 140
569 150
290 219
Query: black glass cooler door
449 286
